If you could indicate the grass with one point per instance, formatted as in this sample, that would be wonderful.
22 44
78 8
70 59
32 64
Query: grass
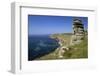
65 37
76 51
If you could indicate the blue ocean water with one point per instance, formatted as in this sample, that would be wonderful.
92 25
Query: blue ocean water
40 45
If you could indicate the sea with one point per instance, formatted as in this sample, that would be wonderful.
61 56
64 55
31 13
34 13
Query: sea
40 45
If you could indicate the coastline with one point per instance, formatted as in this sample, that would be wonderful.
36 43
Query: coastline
62 44
65 50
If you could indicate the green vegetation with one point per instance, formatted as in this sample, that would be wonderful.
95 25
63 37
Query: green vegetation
76 51
64 38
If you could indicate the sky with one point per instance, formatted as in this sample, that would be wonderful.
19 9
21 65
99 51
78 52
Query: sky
43 24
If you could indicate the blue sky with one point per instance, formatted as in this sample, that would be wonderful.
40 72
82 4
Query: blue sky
43 24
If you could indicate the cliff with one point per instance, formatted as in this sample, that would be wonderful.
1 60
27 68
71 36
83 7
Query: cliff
72 45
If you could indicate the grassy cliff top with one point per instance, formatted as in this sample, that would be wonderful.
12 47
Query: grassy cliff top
76 51
64 38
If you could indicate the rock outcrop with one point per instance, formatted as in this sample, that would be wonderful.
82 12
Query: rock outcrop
77 37
78 32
